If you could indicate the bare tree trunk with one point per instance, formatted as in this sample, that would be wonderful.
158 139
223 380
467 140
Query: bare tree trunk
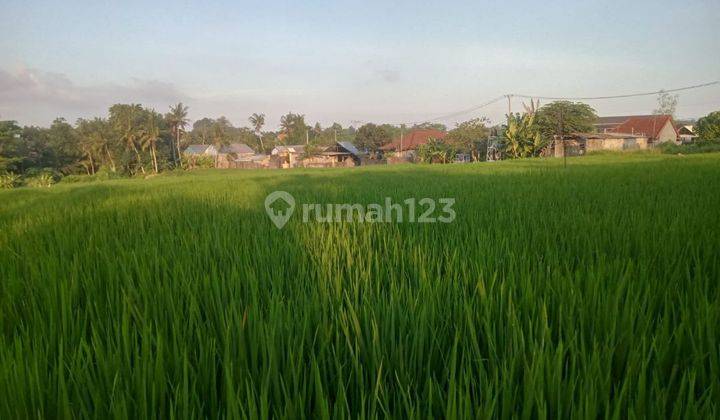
139 161
92 164
154 156
177 141
112 161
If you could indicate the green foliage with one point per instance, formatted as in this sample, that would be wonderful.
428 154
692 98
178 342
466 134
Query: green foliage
294 128
708 127
522 137
706 146
470 137
436 151
311 150
198 162
581 292
10 147
43 178
565 117
429 125
371 137
9 181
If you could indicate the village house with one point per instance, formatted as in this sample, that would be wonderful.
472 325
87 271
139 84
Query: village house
581 143
338 154
232 154
656 128
202 155
201 150
288 156
405 146
686 133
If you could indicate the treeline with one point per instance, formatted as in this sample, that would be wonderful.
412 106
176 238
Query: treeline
133 140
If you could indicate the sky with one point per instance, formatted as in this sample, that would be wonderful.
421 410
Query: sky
351 61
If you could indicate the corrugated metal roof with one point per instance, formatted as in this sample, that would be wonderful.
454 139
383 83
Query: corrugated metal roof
238 148
349 147
197 149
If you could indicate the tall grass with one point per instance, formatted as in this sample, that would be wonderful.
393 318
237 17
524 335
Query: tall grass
587 291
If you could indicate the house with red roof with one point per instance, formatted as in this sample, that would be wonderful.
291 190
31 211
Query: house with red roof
656 128
407 144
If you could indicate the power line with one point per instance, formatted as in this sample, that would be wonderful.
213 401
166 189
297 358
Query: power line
630 95
552 98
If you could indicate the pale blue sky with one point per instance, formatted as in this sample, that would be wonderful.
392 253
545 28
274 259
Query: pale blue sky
342 61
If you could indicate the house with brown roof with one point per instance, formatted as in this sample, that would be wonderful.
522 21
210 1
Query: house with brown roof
656 128
406 145
231 155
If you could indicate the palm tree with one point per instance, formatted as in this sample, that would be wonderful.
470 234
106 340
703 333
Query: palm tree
258 121
151 133
124 119
177 118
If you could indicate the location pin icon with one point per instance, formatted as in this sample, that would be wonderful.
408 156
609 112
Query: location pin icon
279 206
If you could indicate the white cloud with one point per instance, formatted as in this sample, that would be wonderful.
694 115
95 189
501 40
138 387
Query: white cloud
33 96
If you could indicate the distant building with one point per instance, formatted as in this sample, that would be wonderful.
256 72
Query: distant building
338 154
201 155
590 142
289 156
686 133
405 147
229 155
656 128
201 150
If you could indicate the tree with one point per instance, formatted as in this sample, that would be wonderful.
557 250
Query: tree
294 128
258 121
151 134
90 143
563 118
177 118
63 140
666 104
708 127
127 121
222 132
10 159
436 151
522 136
371 137
467 136
429 126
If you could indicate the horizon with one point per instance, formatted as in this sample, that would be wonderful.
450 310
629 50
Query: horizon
348 63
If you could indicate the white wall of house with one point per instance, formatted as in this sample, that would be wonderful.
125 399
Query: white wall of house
667 134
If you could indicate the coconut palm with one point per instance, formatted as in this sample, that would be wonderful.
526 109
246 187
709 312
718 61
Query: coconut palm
151 133
258 121
177 118
125 119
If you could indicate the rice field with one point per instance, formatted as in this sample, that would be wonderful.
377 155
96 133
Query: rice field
586 291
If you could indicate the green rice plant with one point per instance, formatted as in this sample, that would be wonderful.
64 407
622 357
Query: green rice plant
581 292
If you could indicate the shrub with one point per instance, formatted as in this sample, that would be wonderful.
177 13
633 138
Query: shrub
42 180
9 181
706 146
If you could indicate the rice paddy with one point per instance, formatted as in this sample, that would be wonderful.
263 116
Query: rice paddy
589 291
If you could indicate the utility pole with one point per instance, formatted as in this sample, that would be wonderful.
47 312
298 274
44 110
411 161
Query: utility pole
509 104
402 132
335 133
307 136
